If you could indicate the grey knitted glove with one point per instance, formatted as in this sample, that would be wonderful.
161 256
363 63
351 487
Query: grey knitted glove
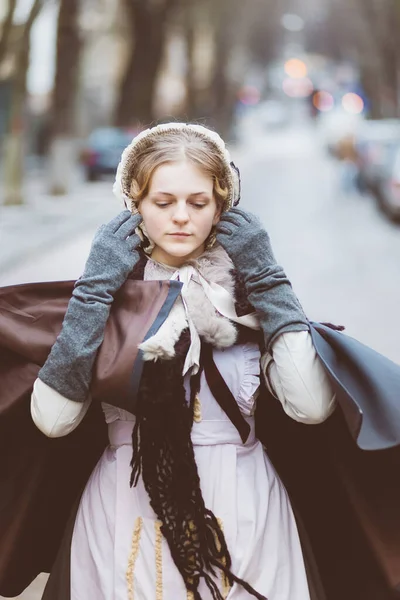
269 290
112 257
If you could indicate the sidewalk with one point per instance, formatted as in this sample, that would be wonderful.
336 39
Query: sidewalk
46 222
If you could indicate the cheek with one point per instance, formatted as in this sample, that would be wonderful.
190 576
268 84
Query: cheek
207 221
152 220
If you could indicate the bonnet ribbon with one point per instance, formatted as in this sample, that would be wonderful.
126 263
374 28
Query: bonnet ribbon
222 301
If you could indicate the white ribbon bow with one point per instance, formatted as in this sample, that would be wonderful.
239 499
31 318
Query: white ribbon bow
220 298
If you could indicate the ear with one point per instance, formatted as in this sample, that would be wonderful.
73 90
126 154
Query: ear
136 206
217 216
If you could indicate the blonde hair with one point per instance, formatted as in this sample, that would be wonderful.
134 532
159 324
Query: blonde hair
176 146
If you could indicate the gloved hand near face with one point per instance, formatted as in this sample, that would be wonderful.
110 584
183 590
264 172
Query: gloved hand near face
112 257
269 290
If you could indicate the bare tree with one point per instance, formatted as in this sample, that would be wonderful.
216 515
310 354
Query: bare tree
190 20
220 30
263 30
148 26
366 31
210 89
382 19
6 29
222 90
63 133
14 139
242 35
196 23
243 39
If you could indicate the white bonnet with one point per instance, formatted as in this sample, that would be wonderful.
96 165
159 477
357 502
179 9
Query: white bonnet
123 177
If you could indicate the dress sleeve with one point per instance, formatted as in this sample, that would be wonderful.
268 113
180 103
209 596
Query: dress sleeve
250 381
295 375
54 414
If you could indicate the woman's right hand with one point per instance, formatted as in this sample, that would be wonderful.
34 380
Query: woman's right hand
68 368
112 256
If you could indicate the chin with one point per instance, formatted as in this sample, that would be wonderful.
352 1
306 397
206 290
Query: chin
181 250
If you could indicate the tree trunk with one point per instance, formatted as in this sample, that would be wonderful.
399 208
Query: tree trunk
380 42
148 25
6 29
15 136
391 51
63 142
222 88
191 88
222 92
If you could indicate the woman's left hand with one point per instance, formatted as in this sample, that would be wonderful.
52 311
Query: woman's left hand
269 290
246 242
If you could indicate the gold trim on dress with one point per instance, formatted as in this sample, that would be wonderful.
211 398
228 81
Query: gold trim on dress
197 409
137 530
159 580
226 587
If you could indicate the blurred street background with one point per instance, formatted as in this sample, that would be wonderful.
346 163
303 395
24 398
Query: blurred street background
305 92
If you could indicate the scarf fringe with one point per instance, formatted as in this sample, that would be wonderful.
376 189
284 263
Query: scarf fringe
163 454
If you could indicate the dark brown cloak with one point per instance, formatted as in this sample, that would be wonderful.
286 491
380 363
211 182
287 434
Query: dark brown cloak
347 501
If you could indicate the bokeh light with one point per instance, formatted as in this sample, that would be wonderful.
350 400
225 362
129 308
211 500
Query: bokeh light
249 95
292 22
323 101
296 68
297 88
353 103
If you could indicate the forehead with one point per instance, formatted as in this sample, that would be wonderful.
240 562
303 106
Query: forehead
180 177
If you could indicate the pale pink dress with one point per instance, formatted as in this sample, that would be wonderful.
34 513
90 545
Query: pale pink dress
118 552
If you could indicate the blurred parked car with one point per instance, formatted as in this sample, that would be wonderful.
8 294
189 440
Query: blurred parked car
388 182
103 149
374 140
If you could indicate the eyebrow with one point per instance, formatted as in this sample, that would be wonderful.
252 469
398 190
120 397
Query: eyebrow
159 192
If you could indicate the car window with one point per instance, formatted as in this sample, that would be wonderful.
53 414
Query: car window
109 138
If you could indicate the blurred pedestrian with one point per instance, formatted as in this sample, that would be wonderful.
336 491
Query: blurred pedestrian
206 515
349 168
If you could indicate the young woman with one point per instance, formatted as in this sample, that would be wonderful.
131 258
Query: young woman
185 503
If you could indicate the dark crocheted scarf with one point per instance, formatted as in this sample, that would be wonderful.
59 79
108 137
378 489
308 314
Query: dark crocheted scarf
163 455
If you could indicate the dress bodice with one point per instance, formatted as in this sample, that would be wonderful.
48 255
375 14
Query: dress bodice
239 365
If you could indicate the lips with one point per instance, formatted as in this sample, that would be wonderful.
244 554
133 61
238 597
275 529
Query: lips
180 234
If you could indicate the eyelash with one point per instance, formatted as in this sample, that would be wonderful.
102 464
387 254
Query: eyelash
166 204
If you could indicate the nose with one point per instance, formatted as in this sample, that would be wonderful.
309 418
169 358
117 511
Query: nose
181 214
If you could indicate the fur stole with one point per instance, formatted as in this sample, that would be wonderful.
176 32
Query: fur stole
215 266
